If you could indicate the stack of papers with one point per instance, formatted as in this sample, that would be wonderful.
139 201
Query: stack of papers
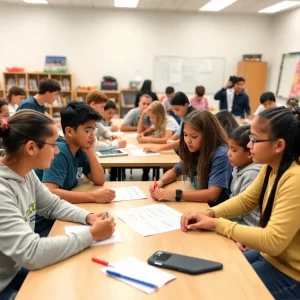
115 238
134 268
150 219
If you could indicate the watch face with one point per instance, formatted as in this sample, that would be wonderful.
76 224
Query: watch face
178 195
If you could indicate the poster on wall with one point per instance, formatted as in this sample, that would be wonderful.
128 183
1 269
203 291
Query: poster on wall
55 64
295 89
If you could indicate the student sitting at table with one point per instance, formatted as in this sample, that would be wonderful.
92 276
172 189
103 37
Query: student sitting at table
182 108
244 172
227 121
199 101
145 89
29 139
131 119
107 115
98 100
75 159
203 153
163 126
292 103
167 103
275 244
15 96
267 101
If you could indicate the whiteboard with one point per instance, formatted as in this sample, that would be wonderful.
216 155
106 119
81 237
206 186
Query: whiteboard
287 74
184 74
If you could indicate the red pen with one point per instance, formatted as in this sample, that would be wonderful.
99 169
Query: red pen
101 262
155 184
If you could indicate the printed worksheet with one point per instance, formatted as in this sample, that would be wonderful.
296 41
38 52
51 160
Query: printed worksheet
150 219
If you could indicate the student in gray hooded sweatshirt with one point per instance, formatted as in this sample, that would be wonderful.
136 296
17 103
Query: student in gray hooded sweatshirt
244 172
29 139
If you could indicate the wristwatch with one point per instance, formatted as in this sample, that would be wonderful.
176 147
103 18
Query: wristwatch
178 195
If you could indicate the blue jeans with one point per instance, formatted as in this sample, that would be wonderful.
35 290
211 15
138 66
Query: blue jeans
281 286
12 289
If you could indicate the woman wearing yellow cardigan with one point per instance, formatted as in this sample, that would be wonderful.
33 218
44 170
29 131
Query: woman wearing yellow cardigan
275 244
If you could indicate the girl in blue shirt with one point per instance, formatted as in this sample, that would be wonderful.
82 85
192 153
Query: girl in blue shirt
203 152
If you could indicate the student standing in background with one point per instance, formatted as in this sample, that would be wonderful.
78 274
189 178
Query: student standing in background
234 100
15 97
199 101
145 89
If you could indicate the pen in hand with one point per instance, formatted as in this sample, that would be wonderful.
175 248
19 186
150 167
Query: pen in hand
106 214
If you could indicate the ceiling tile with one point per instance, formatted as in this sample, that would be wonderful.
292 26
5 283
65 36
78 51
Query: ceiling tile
149 4
172 4
81 2
59 2
103 3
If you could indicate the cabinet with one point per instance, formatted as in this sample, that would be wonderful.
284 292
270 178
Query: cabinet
255 74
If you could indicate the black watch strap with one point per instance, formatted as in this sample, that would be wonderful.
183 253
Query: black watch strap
178 195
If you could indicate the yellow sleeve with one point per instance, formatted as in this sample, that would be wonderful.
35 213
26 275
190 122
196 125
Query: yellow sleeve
282 226
244 202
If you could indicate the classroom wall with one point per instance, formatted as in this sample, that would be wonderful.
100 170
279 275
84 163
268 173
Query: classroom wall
285 36
119 42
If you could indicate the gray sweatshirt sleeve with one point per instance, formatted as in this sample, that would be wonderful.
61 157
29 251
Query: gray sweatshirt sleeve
52 207
99 145
103 132
26 248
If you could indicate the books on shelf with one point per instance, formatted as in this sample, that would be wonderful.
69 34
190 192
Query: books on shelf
33 84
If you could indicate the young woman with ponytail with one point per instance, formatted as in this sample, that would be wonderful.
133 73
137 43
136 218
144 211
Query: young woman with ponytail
275 244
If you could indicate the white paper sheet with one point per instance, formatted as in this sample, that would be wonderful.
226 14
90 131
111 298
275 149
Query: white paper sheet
128 193
135 268
150 219
130 146
132 135
140 152
115 238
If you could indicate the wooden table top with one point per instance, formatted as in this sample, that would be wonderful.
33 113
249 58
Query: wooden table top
79 278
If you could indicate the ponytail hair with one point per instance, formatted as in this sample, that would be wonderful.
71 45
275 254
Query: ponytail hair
26 125
282 123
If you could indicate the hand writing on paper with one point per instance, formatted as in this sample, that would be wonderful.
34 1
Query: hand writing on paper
198 220
104 196
163 194
92 217
103 229
159 184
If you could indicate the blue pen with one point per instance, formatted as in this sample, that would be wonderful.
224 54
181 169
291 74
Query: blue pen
118 275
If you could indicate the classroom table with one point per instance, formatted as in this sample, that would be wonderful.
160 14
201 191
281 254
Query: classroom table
166 159
79 278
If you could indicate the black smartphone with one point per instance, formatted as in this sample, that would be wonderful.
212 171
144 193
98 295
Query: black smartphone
182 263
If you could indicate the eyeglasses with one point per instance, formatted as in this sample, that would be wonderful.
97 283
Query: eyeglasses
53 145
254 141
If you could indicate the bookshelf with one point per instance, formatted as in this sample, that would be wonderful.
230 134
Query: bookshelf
29 82
113 95
2 95
128 100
